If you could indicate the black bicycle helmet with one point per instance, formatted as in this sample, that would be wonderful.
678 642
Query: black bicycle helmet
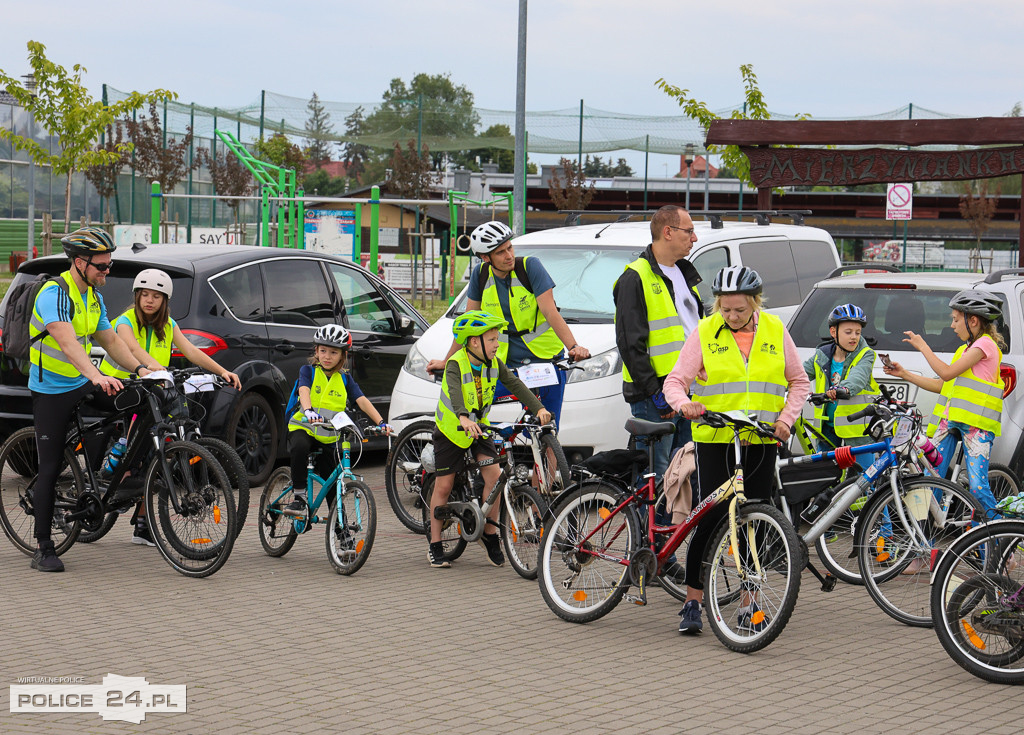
980 303
847 313
86 242
737 279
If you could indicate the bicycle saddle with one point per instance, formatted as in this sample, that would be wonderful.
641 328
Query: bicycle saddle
639 427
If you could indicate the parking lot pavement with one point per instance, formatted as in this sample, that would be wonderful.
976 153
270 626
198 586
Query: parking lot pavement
269 646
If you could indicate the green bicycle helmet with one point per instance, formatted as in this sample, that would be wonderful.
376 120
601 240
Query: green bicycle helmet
86 242
475 323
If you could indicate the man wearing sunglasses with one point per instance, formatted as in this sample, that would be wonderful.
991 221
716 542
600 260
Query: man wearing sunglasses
67 315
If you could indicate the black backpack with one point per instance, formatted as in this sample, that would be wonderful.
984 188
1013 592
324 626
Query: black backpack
21 301
519 269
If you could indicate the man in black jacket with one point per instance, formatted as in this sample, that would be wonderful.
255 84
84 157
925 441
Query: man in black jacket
656 307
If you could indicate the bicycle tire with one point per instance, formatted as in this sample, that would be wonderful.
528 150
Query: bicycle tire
577 586
277 532
521 528
19 461
453 545
193 520
403 475
772 590
836 548
555 469
349 543
981 634
1002 481
893 567
238 477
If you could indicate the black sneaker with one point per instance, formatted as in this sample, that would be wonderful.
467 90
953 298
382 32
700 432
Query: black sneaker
690 621
435 555
141 536
294 508
45 559
492 545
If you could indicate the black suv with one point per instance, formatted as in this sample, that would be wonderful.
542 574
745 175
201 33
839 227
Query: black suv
254 310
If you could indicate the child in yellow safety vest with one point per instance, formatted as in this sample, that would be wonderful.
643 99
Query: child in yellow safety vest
324 390
971 403
842 370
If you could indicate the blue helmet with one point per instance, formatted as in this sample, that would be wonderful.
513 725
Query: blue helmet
847 313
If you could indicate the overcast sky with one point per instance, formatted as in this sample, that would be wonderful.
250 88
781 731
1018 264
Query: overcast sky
823 58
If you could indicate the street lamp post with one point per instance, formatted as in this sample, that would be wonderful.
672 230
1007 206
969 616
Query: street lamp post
30 85
689 162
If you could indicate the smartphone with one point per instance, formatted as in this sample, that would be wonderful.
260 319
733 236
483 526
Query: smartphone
885 359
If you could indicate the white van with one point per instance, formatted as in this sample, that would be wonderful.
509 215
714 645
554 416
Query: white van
585 261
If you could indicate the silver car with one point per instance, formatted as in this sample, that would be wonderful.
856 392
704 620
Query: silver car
897 302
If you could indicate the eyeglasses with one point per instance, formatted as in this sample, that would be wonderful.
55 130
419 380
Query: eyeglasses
101 267
687 230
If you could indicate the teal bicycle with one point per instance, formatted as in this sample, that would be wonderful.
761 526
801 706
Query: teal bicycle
352 516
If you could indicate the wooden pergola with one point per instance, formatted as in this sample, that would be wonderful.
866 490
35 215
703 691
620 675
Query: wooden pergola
772 166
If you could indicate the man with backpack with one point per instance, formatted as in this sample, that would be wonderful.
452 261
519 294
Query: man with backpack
519 289
67 314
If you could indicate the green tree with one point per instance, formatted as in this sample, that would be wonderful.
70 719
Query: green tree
411 171
230 179
158 157
355 155
505 158
280 151
64 107
447 114
596 167
321 183
755 109
319 132
103 176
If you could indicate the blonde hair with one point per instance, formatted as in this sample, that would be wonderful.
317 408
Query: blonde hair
315 361
990 329
756 302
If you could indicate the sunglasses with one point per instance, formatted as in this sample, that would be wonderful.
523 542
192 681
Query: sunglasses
101 267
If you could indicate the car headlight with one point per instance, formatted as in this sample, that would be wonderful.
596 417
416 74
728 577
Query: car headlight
598 366
416 364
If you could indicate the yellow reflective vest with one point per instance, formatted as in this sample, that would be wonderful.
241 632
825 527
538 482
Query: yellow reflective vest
46 352
158 349
527 320
477 405
666 334
970 400
844 428
328 397
754 385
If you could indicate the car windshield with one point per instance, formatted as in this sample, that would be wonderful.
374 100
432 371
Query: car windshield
890 312
583 277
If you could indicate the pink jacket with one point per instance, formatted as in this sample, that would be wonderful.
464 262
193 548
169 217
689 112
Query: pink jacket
691 364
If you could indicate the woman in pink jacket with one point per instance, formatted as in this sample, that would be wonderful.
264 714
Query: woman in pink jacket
735 347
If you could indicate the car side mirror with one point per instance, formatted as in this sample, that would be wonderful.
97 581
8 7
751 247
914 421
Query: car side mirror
406 326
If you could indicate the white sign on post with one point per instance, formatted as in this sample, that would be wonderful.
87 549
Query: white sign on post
899 201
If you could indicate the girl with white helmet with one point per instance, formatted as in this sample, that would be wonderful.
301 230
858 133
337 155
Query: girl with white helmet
325 388
150 333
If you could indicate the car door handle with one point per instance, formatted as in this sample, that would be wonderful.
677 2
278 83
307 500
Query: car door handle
284 347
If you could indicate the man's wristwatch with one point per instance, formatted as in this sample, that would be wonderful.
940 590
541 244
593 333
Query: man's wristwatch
140 367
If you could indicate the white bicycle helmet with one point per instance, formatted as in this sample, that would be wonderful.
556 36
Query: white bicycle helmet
737 279
333 335
155 280
489 236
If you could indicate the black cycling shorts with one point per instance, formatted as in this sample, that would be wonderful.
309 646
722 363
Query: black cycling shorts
450 457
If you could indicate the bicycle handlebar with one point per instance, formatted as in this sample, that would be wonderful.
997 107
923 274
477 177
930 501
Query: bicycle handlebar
738 420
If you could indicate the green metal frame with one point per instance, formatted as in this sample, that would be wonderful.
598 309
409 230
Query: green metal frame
455 198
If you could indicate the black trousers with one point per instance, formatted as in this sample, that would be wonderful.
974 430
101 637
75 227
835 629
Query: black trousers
300 446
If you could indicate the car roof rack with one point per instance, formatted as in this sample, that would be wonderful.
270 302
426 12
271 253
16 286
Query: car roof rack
997 276
761 216
864 266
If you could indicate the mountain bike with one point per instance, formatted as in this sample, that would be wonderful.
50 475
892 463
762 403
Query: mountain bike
594 548
188 500
352 512
977 601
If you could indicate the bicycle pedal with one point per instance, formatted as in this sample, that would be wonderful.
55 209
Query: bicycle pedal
640 599
828 584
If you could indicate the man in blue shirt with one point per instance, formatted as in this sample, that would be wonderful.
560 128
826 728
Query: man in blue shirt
66 317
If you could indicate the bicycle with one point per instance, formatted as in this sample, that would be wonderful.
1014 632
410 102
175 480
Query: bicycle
536 455
977 602
352 517
189 380
464 516
188 500
595 548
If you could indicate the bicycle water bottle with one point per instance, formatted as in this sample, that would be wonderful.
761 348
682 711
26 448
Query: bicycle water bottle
931 452
114 457
346 458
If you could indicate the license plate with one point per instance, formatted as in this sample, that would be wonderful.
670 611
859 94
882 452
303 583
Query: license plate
901 391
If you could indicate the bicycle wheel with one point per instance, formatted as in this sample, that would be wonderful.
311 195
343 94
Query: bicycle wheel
750 592
1002 481
403 474
896 558
237 475
191 515
554 472
521 527
979 618
453 544
277 532
836 548
19 462
351 530
583 570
